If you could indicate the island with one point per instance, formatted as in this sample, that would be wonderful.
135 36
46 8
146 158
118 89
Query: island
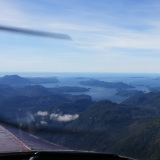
98 83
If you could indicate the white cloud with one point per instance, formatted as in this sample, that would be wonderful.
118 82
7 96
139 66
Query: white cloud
40 113
43 122
63 118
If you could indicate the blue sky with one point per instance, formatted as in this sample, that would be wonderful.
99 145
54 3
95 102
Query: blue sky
108 36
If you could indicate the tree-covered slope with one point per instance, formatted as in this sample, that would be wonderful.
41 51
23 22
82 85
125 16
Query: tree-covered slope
114 128
149 101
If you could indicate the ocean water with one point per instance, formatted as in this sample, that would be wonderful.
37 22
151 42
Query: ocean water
141 82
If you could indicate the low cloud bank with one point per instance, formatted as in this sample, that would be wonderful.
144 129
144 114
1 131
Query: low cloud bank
63 118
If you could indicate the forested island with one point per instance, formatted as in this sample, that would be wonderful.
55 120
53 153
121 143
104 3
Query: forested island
98 83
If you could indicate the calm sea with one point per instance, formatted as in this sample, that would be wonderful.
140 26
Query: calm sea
141 82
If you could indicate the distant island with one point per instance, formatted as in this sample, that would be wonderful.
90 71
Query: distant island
137 77
97 83
17 80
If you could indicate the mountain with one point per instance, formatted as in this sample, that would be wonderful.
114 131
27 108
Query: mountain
17 80
74 107
105 126
59 116
129 93
20 106
150 101
34 90
14 80
97 83
7 91
154 89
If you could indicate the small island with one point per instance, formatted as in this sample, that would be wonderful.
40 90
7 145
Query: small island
97 83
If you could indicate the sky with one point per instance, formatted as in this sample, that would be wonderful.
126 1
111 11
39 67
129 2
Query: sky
113 36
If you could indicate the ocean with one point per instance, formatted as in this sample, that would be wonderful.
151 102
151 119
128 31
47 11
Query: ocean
141 82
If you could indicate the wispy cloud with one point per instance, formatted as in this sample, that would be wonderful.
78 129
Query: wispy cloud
11 15
90 35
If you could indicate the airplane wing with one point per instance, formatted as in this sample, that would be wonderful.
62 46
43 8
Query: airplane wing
13 139
18 144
